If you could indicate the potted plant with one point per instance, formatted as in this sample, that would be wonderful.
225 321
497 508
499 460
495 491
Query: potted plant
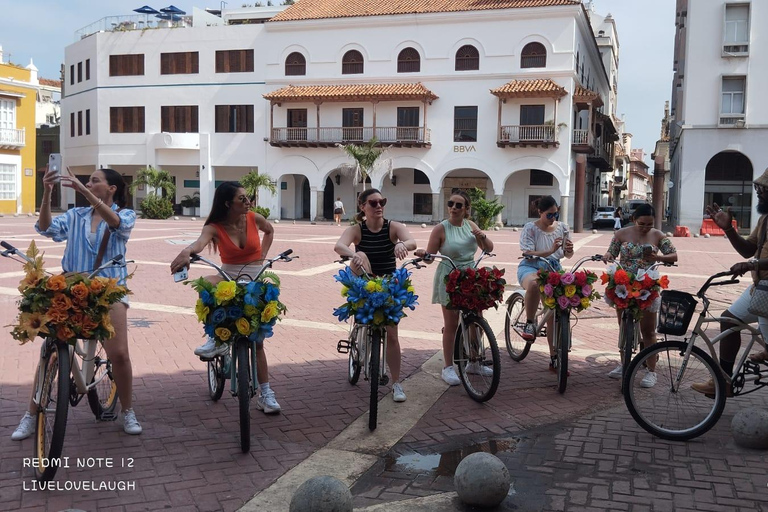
191 205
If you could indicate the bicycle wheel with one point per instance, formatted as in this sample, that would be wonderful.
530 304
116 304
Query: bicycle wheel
52 411
517 347
671 409
102 398
563 340
373 377
216 378
477 358
355 339
244 392
627 341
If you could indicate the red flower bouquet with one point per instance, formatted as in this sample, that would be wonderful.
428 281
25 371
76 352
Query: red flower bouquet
475 289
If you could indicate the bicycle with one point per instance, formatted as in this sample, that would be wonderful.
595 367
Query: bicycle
671 409
242 352
91 377
367 349
474 347
515 319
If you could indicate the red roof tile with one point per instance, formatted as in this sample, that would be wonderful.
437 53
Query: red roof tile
50 83
352 92
536 88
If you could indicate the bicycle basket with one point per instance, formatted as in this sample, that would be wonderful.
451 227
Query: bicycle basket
676 311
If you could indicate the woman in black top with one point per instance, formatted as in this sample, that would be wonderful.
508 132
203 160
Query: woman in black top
378 242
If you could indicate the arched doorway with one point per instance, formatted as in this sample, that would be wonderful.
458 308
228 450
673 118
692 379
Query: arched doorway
328 199
728 182
409 195
465 179
294 196
521 191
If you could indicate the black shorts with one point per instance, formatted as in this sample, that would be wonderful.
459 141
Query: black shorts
337 211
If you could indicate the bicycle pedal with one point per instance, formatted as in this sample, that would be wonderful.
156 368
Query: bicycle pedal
108 416
207 359
343 346
383 381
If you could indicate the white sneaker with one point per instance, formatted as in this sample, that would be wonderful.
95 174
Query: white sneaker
266 402
475 368
450 377
398 395
130 424
25 429
617 372
649 380
209 349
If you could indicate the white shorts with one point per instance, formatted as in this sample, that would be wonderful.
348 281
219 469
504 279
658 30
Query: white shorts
740 309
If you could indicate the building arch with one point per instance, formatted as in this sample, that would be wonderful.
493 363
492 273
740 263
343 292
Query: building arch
728 182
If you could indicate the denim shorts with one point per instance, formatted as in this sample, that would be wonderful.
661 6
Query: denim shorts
740 309
532 266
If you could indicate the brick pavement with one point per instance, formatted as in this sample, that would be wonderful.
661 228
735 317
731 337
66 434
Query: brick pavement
188 457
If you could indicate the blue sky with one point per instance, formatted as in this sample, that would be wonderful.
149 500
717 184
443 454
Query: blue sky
41 29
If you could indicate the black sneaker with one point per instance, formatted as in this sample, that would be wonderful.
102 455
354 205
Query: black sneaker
528 332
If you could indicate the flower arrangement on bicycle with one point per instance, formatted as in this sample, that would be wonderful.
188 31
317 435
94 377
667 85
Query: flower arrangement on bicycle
567 290
68 306
378 301
636 292
475 289
229 309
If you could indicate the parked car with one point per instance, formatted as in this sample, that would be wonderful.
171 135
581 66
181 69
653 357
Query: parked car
603 216
630 207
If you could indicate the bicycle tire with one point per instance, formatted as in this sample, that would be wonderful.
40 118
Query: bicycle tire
517 347
463 357
644 404
244 392
216 378
56 364
627 344
353 368
373 377
103 403
563 333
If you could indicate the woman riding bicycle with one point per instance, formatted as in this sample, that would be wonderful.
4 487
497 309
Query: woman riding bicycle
85 230
233 229
378 242
637 247
546 237
458 238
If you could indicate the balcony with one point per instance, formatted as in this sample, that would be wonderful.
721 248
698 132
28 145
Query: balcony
11 138
582 141
600 157
543 135
324 137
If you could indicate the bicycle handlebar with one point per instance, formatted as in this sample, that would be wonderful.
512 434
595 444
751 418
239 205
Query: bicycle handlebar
283 256
117 261
414 261
596 257
431 257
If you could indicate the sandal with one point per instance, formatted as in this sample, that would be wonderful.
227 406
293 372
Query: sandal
760 357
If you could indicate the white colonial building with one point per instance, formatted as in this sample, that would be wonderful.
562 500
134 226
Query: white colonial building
511 97
719 119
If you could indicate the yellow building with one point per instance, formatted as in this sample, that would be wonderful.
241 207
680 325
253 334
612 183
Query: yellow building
18 96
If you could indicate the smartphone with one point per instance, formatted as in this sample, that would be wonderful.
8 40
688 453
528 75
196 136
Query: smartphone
54 162
181 275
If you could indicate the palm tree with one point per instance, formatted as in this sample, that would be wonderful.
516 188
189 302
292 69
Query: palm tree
253 181
366 157
154 180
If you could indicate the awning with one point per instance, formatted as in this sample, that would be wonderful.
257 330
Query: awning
351 92
584 95
537 88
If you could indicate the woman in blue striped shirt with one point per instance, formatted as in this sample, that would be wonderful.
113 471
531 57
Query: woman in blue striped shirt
84 229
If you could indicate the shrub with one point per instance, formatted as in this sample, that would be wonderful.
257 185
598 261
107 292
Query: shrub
154 207
484 212
264 212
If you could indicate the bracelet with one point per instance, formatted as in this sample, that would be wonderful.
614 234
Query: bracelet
101 202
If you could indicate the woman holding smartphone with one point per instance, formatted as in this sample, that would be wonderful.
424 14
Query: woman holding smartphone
548 238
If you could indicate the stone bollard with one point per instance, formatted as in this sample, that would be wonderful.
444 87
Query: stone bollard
695 235
482 480
193 218
668 234
749 428
175 218
594 231
496 228
322 494
706 235
423 226
515 230
276 221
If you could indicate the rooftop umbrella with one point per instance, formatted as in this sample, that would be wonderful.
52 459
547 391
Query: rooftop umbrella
146 10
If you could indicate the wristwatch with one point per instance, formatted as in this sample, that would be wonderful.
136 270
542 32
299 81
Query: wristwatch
754 262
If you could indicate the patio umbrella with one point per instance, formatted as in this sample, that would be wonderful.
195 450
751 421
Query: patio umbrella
172 9
146 11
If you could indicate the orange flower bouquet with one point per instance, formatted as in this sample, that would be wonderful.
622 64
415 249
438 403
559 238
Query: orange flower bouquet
66 306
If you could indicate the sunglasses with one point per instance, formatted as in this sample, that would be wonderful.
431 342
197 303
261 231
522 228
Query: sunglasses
375 204
458 204
555 216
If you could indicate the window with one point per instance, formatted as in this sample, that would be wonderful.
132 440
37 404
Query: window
47 147
87 69
297 124
422 204
736 36
408 123
126 65
533 209
72 124
79 123
7 181
420 178
732 103
531 115
534 55
467 58
234 118
72 74
408 61
465 124
7 114
126 119
88 122
234 61
179 119
79 72
352 123
180 63
541 179
295 65
352 63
